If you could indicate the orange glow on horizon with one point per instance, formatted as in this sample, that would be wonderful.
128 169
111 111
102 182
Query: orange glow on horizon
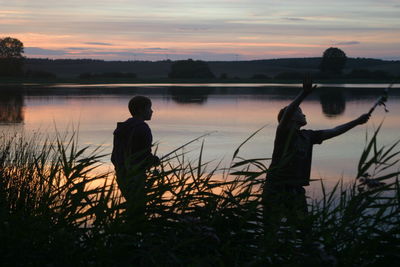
82 46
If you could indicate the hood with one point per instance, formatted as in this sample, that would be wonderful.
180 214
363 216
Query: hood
128 125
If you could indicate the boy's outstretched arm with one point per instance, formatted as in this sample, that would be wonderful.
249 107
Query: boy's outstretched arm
338 130
291 108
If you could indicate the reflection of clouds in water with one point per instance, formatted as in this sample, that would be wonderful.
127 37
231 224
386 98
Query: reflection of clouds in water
333 103
11 107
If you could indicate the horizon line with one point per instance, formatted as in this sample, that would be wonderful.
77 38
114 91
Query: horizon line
171 60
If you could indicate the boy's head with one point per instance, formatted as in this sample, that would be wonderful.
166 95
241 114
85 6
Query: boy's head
298 117
140 106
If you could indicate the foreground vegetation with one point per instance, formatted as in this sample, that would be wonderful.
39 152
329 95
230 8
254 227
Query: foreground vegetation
56 209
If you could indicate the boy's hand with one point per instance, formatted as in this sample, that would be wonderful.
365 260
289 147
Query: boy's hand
363 118
307 84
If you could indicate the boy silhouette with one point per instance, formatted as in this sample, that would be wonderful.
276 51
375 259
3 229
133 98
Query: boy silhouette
132 155
289 171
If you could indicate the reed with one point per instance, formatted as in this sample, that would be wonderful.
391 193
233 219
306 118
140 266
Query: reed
56 208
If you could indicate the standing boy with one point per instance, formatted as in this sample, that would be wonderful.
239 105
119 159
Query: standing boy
284 195
132 155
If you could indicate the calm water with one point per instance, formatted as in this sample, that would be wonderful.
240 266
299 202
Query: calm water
231 113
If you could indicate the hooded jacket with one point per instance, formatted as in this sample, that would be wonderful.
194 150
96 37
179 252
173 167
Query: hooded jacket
132 144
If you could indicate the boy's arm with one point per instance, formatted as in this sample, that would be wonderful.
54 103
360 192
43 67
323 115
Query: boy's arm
292 107
338 130
141 144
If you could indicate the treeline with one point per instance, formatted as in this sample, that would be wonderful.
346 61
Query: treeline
263 70
355 74
125 75
332 65
196 69
43 61
303 63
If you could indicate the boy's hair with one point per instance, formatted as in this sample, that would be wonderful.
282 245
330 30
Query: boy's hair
138 104
280 114
282 111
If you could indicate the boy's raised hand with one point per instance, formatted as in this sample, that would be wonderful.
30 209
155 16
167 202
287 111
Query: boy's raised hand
307 84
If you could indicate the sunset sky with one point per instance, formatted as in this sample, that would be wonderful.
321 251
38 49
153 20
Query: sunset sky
202 29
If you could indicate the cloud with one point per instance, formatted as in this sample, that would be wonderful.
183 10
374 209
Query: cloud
156 49
117 53
294 19
98 43
12 12
44 52
78 48
347 43
193 28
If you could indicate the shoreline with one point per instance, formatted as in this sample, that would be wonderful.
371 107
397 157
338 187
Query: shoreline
196 83
167 81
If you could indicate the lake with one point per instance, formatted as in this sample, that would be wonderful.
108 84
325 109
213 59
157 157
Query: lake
229 112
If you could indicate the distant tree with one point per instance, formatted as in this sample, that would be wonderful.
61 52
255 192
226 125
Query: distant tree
189 69
333 60
11 58
11 48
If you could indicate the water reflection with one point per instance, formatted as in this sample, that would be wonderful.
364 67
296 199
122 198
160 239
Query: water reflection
333 102
11 107
233 112
184 95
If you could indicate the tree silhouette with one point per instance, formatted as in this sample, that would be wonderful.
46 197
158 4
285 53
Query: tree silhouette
333 60
11 58
188 69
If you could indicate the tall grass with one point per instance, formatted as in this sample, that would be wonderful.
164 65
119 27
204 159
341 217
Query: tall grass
56 209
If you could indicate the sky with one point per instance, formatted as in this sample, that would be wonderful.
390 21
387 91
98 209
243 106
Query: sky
202 29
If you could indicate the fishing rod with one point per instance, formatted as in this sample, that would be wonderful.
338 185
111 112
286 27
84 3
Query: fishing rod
381 101
366 180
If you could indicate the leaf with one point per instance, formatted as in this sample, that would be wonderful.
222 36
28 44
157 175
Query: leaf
245 141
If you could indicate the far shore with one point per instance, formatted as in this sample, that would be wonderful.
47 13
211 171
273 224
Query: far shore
243 82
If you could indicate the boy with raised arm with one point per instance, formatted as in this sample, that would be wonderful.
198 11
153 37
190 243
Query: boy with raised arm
132 155
284 195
